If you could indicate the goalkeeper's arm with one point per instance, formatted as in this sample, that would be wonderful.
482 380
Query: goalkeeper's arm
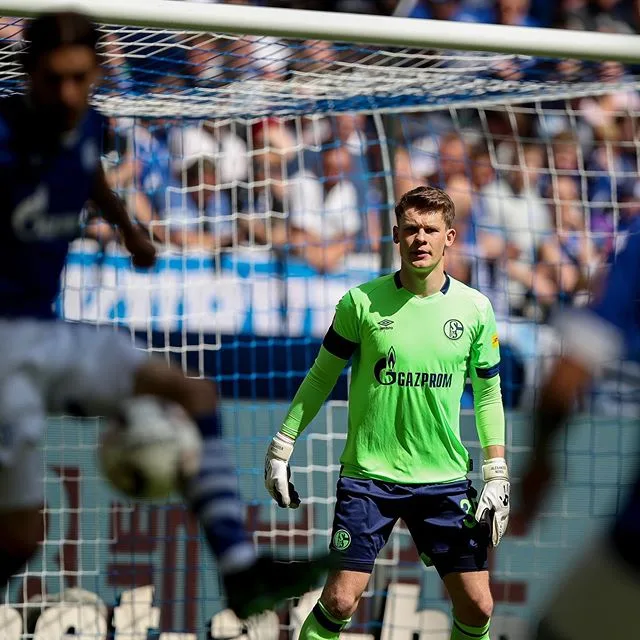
494 502
310 396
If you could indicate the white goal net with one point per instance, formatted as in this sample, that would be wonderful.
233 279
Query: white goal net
266 168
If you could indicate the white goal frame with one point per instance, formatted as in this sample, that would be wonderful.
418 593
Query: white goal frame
344 27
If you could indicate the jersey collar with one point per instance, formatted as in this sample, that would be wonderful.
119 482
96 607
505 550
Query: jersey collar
443 289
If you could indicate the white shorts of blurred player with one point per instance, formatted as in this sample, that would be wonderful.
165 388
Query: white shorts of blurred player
53 367
598 600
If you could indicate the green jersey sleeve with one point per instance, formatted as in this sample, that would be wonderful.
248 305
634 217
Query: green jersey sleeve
488 410
485 349
485 380
312 393
343 336
339 344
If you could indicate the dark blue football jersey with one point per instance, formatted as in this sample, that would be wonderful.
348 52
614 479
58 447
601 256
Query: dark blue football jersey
619 303
45 182
619 306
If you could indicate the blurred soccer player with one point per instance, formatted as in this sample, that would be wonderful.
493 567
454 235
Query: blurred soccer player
49 167
413 337
599 598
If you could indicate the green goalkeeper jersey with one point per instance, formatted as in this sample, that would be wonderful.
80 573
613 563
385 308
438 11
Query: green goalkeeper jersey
411 358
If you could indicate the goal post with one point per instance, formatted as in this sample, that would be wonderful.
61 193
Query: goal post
229 129
345 27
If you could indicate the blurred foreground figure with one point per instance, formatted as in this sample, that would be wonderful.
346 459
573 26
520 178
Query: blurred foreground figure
599 597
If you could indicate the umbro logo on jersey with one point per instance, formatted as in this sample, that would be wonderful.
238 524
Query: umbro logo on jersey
385 324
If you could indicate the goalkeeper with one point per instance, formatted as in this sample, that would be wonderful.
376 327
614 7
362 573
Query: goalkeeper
413 337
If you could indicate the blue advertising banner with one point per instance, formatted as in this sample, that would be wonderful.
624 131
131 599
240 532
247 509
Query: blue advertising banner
244 292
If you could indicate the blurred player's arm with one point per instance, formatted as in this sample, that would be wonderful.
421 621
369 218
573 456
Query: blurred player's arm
570 377
112 209
494 503
591 339
335 352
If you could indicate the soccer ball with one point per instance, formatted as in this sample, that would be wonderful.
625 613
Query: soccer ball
149 448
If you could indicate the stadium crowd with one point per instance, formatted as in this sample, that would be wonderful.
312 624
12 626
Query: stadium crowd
541 194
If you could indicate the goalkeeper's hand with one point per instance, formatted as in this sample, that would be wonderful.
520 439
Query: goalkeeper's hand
495 501
277 474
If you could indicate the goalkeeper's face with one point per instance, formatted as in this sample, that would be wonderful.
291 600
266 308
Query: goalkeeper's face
422 238
61 83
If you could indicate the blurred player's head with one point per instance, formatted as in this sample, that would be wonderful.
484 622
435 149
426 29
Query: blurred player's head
424 227
61 61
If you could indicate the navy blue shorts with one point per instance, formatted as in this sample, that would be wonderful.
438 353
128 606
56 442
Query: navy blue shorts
439 518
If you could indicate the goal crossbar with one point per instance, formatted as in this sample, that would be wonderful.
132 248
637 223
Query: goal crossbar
339 27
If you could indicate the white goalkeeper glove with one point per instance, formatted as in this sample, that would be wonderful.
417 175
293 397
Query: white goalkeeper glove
494 503
277 473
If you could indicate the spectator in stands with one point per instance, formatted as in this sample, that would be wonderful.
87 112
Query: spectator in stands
460 256
267 206
565 159
406 175
568 257
489 250
344 129
566 154
481 166
629 198
147 145
324 218
630 13
116 75
429 160
257 57
444 10
314 56
351 133
609 167
516 13
513 211
232 160
596 15
205 59
195 213
274 134
122 174
452 160
513 13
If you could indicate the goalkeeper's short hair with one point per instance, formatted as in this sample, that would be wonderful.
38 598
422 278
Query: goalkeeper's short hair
427 200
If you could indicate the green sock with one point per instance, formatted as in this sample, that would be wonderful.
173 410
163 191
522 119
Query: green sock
321 625
462 631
